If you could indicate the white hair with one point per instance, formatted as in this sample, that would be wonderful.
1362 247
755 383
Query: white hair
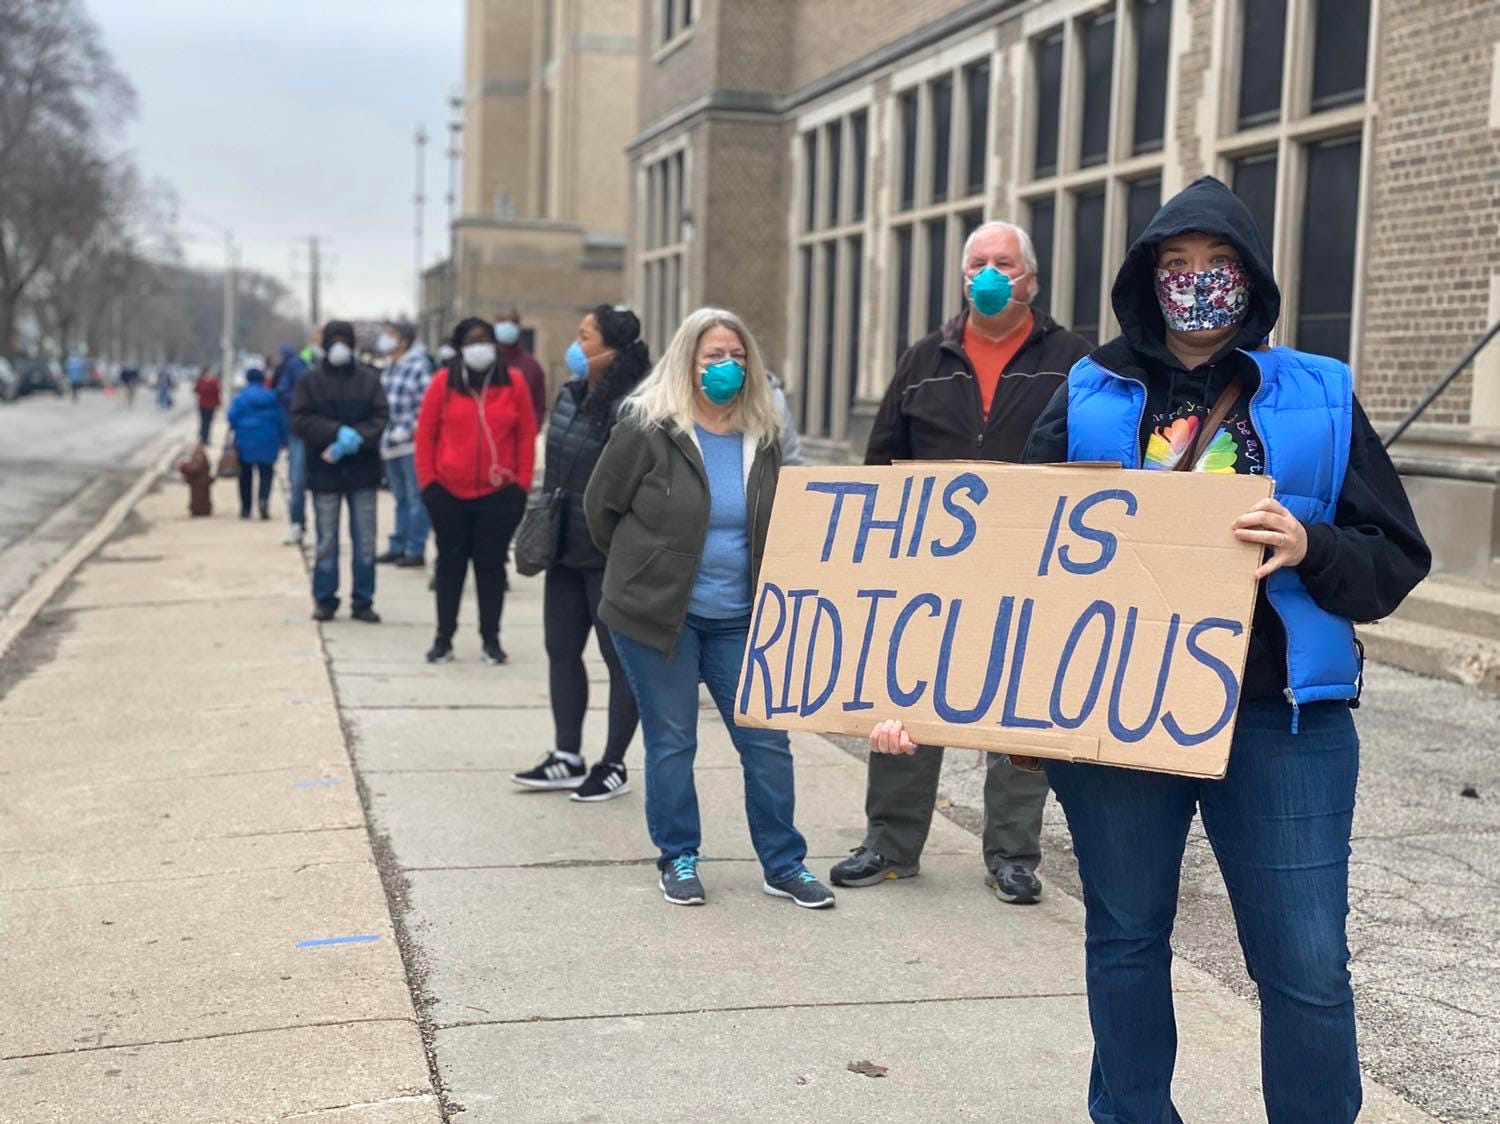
1028 251
666 397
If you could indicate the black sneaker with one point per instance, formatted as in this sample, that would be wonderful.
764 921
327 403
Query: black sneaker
365 613
1015 884
441 651
679 882
554 773
389 556
325 612
865 867
410 562
493 653
604 782
804 889
265 514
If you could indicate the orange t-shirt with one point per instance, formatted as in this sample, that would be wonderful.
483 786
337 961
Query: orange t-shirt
991 357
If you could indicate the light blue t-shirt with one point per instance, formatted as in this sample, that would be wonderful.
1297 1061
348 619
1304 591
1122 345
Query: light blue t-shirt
722 589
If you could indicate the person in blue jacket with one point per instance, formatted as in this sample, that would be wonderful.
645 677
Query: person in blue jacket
260 431
1196 301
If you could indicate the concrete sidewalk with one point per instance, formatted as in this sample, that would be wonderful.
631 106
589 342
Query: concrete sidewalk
179 817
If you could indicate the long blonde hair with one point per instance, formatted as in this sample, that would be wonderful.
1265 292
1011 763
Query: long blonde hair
666 397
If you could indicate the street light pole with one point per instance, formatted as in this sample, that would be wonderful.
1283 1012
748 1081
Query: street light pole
420 140
227 340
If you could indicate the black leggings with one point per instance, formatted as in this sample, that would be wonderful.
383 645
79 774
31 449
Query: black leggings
477 531
570 612
264 493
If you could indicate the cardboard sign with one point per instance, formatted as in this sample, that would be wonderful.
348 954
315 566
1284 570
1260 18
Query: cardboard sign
1076 612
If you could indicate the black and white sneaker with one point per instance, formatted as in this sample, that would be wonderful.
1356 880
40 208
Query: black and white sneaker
804 889
555 773
1015 884
679 881
604 782
494 655
441 651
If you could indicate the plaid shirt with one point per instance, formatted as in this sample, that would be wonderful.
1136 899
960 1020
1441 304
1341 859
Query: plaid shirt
405 382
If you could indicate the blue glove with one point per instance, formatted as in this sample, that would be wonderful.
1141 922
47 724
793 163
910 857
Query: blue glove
348 441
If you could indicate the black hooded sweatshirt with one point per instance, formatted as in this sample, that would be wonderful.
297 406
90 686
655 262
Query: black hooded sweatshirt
1361 565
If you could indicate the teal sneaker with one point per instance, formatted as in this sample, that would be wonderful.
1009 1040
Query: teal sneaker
804 889
679 882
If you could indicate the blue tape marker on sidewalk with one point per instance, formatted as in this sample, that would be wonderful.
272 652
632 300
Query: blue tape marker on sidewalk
316 784
362 938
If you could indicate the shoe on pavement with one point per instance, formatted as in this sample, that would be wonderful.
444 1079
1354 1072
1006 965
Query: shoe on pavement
552 774
493 653
325 612
441 651
265 513
865 867
604 782
679 881
294 535
389 556
410 562
245 514
365 613
804 889
1014 884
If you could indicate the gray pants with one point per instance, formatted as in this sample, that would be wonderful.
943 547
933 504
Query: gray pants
902 792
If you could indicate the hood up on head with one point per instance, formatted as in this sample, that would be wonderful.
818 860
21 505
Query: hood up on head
1207 206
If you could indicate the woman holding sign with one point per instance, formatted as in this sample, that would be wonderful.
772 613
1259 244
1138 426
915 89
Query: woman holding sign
680 503
1190 386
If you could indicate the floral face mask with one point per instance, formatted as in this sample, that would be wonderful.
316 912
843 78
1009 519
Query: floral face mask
1199 301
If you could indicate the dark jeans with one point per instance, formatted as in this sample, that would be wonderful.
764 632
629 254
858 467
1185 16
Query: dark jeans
901 793
1279 824
326 509
570 611
263 494
708 652
477 531
205 424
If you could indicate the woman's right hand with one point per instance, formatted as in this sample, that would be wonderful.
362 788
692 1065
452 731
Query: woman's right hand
891 737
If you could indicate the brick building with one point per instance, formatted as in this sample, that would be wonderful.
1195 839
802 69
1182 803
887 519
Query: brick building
816 165
550 91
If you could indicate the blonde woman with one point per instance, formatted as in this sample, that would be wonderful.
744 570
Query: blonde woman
679 503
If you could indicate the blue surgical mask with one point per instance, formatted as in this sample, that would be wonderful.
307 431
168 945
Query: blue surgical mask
990 291
723 380
507 332
577 361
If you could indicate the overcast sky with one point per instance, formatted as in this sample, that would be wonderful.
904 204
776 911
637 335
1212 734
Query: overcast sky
284 118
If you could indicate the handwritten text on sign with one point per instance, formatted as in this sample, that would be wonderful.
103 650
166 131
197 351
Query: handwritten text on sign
1076 612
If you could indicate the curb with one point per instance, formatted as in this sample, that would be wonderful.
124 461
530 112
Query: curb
20 614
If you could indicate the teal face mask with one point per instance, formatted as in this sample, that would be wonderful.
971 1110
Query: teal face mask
723 380
990 291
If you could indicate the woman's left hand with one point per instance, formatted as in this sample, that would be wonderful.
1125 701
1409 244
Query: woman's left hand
1271 525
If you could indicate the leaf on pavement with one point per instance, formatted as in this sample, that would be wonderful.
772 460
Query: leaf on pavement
868 1069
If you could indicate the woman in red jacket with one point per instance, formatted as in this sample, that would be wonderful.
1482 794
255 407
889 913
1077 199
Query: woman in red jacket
476 445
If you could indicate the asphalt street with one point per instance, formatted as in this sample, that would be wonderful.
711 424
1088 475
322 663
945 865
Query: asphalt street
61 466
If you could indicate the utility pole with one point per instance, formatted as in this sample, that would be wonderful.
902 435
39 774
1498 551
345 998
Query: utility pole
420 140
455 151
227 340
314 280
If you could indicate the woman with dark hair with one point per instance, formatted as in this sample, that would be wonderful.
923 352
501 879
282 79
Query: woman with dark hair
475 450
607 361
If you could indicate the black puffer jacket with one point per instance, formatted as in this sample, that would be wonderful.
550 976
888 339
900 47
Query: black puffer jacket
582 418
328 398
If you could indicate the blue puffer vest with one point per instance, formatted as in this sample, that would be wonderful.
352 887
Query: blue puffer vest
1303 413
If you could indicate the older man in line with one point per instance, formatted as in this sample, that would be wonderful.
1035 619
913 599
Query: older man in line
969 391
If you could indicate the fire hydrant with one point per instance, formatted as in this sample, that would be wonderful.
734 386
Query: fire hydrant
200 478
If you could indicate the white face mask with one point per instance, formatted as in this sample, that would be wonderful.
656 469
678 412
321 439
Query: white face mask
445 353
385 343
340 354
479 356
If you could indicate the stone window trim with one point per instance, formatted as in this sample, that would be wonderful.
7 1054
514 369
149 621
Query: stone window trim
1115 175
845 227
1297 128
673 22
664 216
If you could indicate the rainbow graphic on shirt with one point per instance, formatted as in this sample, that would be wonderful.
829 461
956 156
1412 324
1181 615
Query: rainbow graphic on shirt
1170 443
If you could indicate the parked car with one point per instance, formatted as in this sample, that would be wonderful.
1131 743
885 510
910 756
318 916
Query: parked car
40 374
10 382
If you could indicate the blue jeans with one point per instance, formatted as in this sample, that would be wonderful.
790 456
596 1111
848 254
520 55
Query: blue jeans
326 506
296 482
1279 825
666 690
409 536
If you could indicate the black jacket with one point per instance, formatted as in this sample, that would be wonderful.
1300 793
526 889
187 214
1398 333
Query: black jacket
648 507
327 398
1360 566
932 409
582 418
